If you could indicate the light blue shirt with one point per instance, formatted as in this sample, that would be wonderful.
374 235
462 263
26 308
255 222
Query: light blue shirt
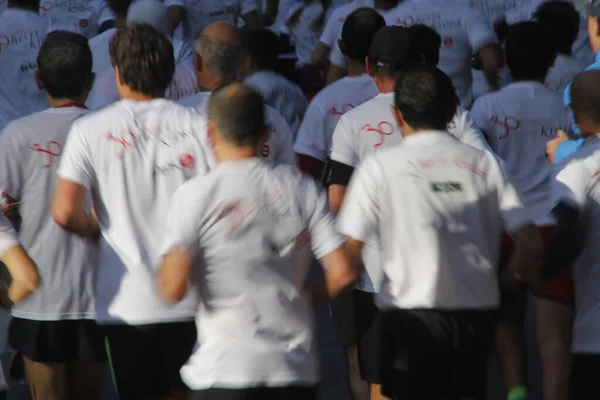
569 147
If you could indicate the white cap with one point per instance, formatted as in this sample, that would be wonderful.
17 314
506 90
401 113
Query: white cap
152 12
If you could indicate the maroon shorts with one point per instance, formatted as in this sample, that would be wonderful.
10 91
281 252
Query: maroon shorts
560 288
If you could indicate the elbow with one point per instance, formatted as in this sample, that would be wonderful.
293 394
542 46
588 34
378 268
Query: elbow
62 215
173 294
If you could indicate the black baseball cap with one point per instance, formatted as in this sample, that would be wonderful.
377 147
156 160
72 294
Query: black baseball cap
389 49
590 7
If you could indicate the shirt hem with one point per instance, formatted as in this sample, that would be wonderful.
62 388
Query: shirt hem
52 317
242 384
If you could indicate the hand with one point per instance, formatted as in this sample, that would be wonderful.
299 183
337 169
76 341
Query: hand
553 144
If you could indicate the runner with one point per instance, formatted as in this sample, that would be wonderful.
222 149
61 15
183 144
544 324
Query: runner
131 157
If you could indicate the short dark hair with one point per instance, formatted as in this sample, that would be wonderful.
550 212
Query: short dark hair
561 22
359 29
425 44
585 97
65 64
119 7
425 96
263 46
388 53
144 57
27 4
529 54
238 114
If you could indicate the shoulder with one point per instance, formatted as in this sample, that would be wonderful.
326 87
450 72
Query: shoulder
195 100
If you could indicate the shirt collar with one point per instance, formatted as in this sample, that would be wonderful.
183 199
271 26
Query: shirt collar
426 137
526 84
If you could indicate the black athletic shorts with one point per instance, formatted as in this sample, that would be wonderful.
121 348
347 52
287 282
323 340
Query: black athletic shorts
368 335
584 377
433 355
260 393
145 359
57 341
344 322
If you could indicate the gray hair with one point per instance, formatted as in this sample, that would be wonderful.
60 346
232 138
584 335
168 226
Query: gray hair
221 59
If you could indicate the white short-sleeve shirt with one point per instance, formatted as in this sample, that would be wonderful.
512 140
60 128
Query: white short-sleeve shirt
370 128
253 227
464 30
577 185
132 156
84 15
438 207
324 112
30 151
518 121
563 71
278 149
201 13
284 96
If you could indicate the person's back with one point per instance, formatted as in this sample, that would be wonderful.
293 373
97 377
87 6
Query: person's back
520 118
85 16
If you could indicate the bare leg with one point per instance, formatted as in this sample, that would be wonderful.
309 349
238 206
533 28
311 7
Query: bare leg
554 323
86 379
510 350
359 389
376 392
46 381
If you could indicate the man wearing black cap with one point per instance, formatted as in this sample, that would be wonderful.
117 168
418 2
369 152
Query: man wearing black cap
359 133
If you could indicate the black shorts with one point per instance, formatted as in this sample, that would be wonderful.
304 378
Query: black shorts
260 393
344 322
368 335
57 341
432 355
145 359
584 376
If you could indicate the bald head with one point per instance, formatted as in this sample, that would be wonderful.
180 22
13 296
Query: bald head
236 111
220 48
585 101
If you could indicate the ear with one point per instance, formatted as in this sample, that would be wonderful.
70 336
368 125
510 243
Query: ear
369 69
38 81
342 47
198 62
399 119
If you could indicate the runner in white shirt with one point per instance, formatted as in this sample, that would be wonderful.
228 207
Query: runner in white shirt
313 141
251 225
360 132
54 329
156 14
22 32
86 16
131 157
576 206
518 120
464 31
195 15
280 93
562 22
438 207
219 61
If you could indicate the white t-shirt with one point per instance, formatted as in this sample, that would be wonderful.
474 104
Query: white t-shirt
283 9
278 149
132 156
104 91
563 71
284 96
464 30
439 208
582 49
370 128
576 184
251 225
518 121
8 236
324 112
333 28
201 13
21 36
84 15
30 151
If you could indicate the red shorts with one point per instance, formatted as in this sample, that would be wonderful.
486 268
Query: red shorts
560 288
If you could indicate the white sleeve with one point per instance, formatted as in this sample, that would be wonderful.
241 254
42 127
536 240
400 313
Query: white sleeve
12 159
312 135
342 149
336 57
513 212
571 184
247 6
104 12
170 3
324 237
332 30
479 30
75 162
8 236
464 129
480 116
359 216
181 229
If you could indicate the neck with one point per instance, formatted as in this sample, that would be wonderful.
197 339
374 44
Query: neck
57 103
385 84
384 4
120 21
538 80
25 8
137 96
355 68
408 131
226 153
214 82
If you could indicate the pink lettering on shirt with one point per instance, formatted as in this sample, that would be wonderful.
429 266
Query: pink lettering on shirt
126 140
384 128
52 150
508 123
